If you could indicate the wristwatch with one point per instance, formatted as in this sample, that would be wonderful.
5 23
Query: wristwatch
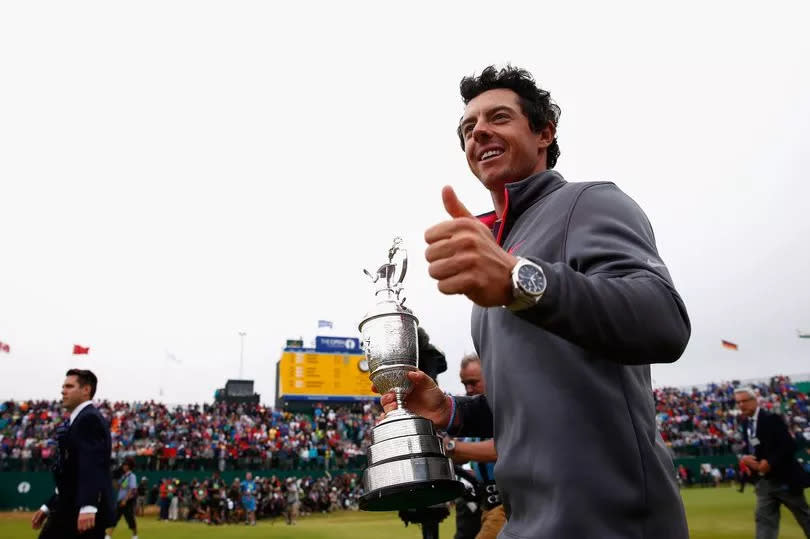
528 285
450 447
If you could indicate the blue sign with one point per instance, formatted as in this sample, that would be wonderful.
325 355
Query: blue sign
340 345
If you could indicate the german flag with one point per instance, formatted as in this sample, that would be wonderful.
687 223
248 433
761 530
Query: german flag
729 345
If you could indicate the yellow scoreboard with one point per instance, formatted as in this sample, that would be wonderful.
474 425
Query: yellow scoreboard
310 374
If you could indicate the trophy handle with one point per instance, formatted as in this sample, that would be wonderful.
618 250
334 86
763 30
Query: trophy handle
393 273
402 266
370 276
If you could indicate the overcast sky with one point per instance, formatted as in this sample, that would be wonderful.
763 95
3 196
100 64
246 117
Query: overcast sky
172 173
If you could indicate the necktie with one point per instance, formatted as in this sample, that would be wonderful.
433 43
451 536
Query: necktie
752 433
61 446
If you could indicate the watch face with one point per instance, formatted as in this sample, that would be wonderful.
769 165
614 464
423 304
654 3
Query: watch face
531 279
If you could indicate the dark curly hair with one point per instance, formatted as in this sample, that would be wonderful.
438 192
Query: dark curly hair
535 102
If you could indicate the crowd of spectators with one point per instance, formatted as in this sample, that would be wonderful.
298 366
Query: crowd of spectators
694 422
705 422
196 437
707 475
247 499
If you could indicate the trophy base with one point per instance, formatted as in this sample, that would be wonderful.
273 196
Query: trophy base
410 483
413 495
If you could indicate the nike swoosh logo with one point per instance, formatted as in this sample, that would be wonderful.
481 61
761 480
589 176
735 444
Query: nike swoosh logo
654 264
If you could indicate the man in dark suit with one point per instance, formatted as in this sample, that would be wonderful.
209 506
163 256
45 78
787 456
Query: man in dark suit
771 456
83 503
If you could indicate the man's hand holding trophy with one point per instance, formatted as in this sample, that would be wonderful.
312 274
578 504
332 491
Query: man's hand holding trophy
407 466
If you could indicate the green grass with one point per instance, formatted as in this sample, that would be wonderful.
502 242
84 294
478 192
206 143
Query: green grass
724 513
713 513
341 525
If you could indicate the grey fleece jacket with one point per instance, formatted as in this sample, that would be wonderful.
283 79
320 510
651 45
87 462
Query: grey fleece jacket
568 381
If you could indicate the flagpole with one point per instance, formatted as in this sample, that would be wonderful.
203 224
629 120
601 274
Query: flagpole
241 352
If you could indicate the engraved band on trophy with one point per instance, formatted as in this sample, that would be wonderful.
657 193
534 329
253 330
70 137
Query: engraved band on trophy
407 465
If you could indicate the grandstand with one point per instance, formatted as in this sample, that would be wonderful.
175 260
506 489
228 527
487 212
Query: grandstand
182 442
188 444
317 432
702 426
704 421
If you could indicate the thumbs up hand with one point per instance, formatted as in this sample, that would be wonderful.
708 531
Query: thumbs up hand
465 259
453 205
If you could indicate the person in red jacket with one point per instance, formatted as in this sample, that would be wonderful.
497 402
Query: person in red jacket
163 499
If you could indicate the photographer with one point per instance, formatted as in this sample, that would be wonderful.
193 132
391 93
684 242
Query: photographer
486 522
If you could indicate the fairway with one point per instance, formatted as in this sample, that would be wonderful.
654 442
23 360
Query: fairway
342 525
713 513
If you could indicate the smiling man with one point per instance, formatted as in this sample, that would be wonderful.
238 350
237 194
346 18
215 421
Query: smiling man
572 304
83 504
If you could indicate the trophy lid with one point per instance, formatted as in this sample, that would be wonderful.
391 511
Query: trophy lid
386 277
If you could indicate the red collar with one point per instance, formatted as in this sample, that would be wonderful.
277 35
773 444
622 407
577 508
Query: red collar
493 223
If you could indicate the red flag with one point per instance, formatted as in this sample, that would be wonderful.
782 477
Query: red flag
80 349
5 348
730 345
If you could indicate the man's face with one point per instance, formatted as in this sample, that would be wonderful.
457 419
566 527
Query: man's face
73 394
746 403
500 146
472 380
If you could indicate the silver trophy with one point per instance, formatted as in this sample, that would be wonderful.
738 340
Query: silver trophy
407 465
